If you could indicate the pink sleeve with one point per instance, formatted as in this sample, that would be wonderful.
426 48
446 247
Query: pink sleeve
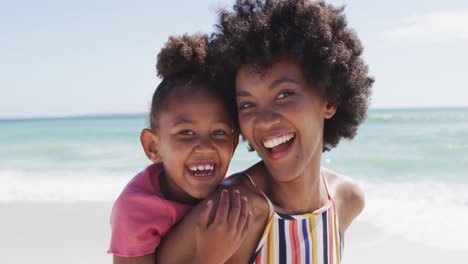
138 222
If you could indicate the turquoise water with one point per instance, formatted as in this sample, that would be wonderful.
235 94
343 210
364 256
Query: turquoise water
407 145
408 162
391 145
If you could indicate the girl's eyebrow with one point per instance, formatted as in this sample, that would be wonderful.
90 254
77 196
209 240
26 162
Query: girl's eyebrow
183 121
179 121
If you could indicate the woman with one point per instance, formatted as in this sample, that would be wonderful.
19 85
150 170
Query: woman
300 87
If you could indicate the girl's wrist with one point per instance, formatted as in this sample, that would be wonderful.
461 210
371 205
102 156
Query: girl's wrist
203 260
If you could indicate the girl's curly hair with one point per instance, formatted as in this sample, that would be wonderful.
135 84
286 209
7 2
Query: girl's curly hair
313 34
184 65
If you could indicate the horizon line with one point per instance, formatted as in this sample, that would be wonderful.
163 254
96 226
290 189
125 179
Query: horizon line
135 114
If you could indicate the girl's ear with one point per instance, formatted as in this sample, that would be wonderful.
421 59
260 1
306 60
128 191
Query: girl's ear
330 110
150 143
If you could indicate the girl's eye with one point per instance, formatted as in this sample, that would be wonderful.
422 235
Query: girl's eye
187 132
219 132
245 106
284 95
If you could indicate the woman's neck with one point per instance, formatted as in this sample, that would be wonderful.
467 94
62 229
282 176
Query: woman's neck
305 193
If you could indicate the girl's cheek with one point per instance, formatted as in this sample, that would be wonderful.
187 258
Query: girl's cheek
182 143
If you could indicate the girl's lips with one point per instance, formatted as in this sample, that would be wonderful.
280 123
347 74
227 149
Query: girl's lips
202 174
201 165
202 170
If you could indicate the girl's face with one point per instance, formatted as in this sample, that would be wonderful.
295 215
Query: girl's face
281 117
196 143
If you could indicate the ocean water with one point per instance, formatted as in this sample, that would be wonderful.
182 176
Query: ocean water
412 165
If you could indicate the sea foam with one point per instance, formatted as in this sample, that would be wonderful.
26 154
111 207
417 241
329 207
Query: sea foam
56 187
429 212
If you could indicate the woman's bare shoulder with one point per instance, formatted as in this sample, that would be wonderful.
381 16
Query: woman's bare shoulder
348 196
244 182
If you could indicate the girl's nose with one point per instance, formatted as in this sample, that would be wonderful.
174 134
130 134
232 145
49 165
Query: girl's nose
204 146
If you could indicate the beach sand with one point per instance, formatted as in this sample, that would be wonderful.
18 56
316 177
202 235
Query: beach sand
79 233
367 244
54 233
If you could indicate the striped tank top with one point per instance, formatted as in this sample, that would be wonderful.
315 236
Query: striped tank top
310 238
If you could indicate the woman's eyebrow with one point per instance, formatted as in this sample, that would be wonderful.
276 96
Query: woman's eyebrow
281 81
275 84
242 93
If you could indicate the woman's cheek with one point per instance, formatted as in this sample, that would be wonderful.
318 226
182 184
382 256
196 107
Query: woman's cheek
245 128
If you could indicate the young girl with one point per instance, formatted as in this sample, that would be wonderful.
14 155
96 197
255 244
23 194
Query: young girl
301 86
191 141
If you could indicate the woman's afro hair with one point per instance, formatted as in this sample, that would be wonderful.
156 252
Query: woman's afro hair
314 35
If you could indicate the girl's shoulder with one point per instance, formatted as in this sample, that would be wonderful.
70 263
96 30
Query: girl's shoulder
347 195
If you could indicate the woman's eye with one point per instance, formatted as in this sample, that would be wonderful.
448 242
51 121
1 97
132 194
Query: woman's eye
245 105
284 95
187 132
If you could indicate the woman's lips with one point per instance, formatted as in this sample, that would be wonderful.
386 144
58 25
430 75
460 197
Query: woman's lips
278 146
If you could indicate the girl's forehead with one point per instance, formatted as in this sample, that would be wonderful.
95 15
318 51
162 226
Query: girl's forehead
184 96
197 106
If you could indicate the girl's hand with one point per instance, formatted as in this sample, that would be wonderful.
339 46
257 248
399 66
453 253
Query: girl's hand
217 242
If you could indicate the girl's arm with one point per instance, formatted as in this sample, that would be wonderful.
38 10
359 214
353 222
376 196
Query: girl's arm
210 233
146 259
217 239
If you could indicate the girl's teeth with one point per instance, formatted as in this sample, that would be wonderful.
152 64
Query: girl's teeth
201 168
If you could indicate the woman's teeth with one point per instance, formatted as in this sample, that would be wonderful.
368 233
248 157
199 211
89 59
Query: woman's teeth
271 143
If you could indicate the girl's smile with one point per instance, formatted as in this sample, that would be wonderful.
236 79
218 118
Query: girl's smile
196 143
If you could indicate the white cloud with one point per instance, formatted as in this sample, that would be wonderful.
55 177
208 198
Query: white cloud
451 25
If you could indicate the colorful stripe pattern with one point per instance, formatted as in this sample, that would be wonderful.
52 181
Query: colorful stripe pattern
311 238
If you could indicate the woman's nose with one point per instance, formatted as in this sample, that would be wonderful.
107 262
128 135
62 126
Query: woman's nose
267 118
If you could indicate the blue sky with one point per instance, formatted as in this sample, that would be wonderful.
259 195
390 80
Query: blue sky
61 58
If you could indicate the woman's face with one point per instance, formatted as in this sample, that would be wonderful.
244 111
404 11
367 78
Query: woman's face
281 117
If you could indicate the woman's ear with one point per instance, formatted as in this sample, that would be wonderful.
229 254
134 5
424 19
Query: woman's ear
330 110
150 143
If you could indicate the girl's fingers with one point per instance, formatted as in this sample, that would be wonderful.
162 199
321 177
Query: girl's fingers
205 215
243 214
247 225
234 210
223 208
